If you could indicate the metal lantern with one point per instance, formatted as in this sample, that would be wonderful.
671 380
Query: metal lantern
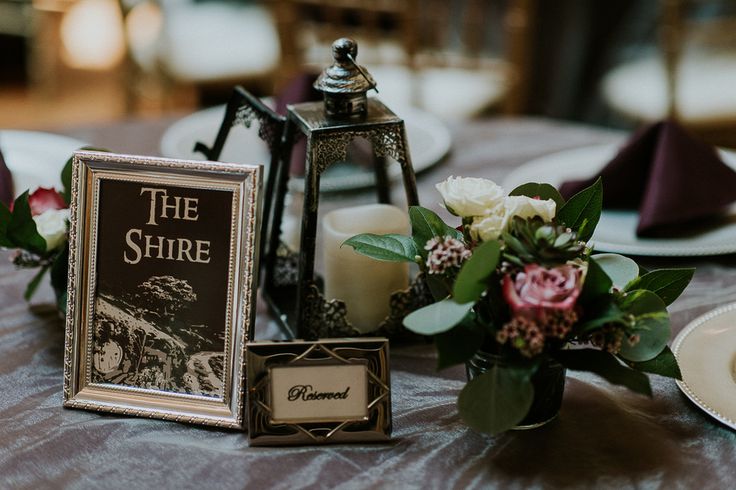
290 286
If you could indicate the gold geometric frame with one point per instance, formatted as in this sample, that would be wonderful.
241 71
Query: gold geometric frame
244 182
262 356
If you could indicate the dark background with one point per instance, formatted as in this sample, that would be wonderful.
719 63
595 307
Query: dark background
122 207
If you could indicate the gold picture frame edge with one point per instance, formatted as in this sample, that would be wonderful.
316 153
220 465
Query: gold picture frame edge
242 281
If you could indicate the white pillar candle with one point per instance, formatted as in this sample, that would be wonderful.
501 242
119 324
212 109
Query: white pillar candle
364 284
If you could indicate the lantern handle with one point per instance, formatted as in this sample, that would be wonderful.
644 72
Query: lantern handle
360 70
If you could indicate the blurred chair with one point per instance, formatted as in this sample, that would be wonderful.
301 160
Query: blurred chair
692 78
433 54
176 45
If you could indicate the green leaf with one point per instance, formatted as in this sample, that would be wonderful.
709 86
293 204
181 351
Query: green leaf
66 174
668 284
651 323
438 286
473 277
426 225
583 210
59 269
597 283
540 190
61 302
497 400
601 312
66 181
665 364
437 318
458 344
21 231
388 248
622 270
5 216
33 285
606 366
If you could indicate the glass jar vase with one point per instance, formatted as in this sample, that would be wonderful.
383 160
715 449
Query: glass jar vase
548 382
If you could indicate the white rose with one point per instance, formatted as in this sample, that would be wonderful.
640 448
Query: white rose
469 196
527 207
51 225
489 227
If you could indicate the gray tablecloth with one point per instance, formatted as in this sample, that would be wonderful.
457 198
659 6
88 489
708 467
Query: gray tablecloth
605 437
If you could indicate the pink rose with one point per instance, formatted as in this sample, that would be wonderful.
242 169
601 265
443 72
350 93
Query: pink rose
43 199
537 290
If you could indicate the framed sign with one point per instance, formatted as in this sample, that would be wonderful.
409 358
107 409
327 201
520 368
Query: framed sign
161 287
332 390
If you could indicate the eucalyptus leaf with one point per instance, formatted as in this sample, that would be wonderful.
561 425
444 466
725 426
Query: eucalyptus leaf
425 225
583 210
473 277
597 283
668 284
665 364
387 248
437 318
458 344
651 324
33 285
22 231
621 270
497 400
606 366
539 190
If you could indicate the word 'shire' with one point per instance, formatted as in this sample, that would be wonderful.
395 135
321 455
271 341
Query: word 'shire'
164 206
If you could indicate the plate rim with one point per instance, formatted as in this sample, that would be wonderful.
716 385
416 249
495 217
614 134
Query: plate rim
676 346
443 146
643 250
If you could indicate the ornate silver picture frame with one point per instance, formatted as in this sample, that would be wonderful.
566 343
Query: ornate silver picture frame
327 391
161 287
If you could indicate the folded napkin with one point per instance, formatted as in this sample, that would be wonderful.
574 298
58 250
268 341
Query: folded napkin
669 176
300 89
6 182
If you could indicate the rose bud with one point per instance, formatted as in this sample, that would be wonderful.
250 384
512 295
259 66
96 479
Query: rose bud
43 199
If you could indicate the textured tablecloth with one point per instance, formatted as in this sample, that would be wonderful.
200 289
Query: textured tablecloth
604 437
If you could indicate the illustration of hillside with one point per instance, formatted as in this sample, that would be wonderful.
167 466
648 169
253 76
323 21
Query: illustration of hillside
144 340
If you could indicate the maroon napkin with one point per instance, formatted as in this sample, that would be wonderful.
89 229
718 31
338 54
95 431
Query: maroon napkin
6 183
669 176
301 89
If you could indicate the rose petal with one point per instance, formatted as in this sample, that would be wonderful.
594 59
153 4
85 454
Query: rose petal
43 199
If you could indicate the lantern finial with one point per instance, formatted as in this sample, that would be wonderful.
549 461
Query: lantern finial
345 83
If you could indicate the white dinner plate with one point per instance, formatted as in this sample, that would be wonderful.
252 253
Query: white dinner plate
36 159
429 142
706 352
616 231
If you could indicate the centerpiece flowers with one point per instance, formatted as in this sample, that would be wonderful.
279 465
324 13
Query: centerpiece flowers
36 226
521 297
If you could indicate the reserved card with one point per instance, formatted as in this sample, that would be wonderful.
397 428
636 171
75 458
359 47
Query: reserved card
332 390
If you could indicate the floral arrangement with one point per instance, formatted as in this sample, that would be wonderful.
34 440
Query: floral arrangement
519 282
36 225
